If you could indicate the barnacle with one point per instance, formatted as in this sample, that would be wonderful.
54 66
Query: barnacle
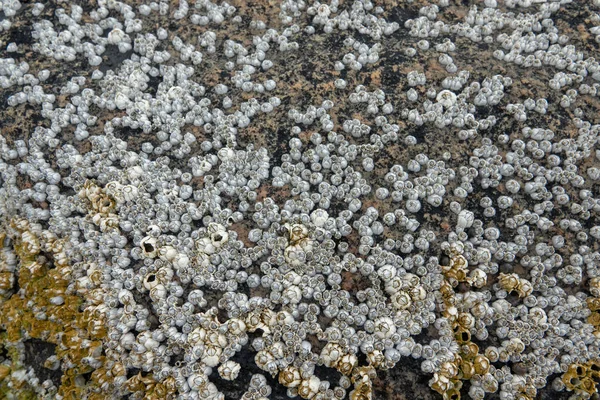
347 363
229 370
290 376
300 244
99 201
583 378
512 282
457 269
362 379
309 387
149 246
331 354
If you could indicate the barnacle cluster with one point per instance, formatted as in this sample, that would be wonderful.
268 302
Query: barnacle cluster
271 199
46 307
583 378
593 303
467 362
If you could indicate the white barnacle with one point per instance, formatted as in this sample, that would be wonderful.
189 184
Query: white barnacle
263 358
477 278
384 327
309 387
211 355
225 154
158 292
116 36
121 101
151 281
446 98
290 377
319 217
205 246
293 294
181 261
465 220
331 354
167 253
229 370
129 192
401 300
236 326
197 381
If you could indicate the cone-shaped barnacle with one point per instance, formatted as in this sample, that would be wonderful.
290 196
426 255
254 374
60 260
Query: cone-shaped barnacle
205 246
477 278
263 358
151 281
449 369
401 300
105 222
508 282
376 359
384 327
236 326
452 393
103 203
574 376
164 274
440 382
295 255
197 381
211 355
525 288
259 320
363 387
129 192
593 303
300 244
331 354
481 364
309 387
7 280
229 370
167 253
594 285
296 232
181 261
149 246
4 371
512 282
28 246
290 377
465 321
89 190
467 370
114 189
457 268
347 364
319 217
